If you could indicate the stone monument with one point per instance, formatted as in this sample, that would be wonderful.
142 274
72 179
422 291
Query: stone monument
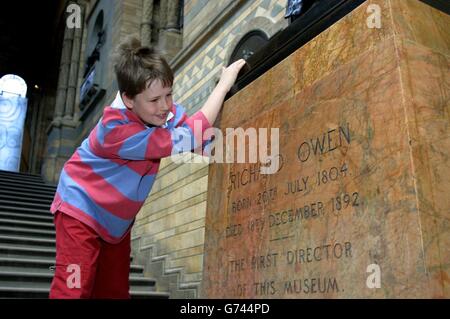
359 207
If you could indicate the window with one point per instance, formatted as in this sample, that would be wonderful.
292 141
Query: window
96 41
249 44
13 85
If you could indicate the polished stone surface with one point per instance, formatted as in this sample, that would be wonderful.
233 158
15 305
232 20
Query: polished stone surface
364 119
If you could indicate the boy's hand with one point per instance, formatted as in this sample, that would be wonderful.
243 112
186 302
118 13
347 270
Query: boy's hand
230 74
214 103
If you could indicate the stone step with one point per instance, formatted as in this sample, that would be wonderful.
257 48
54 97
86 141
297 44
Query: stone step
18 231
26 224
27 190
149 295
28 278
8 179
137 270
42 293
16 204
30 241
30 257
27 242
23 292
26 251
20 175
25 198
29 184
26 264
13 179
5 193
13 209
23 215
43 280
43 265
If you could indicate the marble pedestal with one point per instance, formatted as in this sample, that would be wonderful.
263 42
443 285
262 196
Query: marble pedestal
360 207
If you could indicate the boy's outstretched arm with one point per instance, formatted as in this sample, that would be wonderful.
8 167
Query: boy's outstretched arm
215 101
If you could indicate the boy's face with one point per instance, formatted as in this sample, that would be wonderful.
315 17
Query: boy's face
152 105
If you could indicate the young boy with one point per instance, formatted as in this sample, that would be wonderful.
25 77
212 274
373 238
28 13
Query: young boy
106 181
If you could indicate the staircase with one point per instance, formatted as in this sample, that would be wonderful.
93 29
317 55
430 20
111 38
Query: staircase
27 241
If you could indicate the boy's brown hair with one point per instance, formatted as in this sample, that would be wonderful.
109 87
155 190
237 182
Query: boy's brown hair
137 66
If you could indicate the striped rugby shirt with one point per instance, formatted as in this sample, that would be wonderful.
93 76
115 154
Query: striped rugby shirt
106 181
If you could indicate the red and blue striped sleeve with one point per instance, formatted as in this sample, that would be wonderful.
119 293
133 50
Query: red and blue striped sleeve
119 135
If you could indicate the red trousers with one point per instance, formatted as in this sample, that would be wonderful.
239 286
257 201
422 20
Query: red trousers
86 265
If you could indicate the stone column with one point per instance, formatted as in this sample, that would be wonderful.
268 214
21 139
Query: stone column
147 22
62 123
170 37
172 15
74 66
163 13
63 78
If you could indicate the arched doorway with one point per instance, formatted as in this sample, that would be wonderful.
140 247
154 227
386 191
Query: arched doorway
13 108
